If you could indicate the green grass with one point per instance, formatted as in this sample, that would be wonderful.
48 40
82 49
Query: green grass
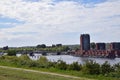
54 70
76 73
13 62
8 74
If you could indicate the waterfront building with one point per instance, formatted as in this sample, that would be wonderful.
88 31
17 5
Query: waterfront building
115 46
85 41
100 46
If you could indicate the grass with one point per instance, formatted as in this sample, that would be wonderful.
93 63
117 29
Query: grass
54 70
8 74
76 73
30 76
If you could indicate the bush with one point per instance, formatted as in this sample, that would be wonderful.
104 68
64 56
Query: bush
106 68
117 67
24 60
75 66
9 60
11 52
24 57
61 65
33 64
43 62
52 64
114 74
91 67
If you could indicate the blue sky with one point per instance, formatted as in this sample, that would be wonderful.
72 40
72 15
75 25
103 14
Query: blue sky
32 22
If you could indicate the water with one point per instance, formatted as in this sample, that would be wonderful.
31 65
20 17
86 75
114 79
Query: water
70 59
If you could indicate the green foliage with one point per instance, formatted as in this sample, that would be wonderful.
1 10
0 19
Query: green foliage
53 48
91 67
52 64
59 45
33 64
41 46
5 48
43 62
106 68
75 66
114 74
24 60
11 52
61 65
117 67
93 45
24 57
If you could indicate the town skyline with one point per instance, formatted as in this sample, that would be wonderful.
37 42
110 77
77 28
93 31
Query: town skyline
32 22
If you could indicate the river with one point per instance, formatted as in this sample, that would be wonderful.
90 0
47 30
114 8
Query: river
70 59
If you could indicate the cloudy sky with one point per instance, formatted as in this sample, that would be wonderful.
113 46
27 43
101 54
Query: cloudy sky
32 22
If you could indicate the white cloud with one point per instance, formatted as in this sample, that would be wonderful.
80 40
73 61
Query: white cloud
49 19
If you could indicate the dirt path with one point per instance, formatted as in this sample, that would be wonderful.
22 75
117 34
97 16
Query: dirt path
49 73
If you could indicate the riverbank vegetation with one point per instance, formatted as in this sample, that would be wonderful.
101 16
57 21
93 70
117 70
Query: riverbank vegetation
90 69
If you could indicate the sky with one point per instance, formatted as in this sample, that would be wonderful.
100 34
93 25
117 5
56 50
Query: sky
33 22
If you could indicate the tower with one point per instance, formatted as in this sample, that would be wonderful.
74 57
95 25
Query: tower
85 41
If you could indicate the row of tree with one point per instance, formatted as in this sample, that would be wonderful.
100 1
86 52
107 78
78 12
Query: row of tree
44 46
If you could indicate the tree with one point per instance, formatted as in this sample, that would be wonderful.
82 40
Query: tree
66 48
41 46
5 48
92 45
59 45
53 45
12 52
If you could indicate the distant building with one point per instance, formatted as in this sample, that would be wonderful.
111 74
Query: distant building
85 41
100 51
100 46
115 46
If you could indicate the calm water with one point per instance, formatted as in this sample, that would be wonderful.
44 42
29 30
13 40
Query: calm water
70 59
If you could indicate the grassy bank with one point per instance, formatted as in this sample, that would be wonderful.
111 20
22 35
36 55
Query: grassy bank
90 70
8 74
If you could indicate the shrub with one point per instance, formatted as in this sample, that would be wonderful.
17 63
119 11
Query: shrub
61 65
106 68
114 74
75 66
33 64
11 52
2 58
91 67
24 60
24 57
117 67
52 64
43 62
